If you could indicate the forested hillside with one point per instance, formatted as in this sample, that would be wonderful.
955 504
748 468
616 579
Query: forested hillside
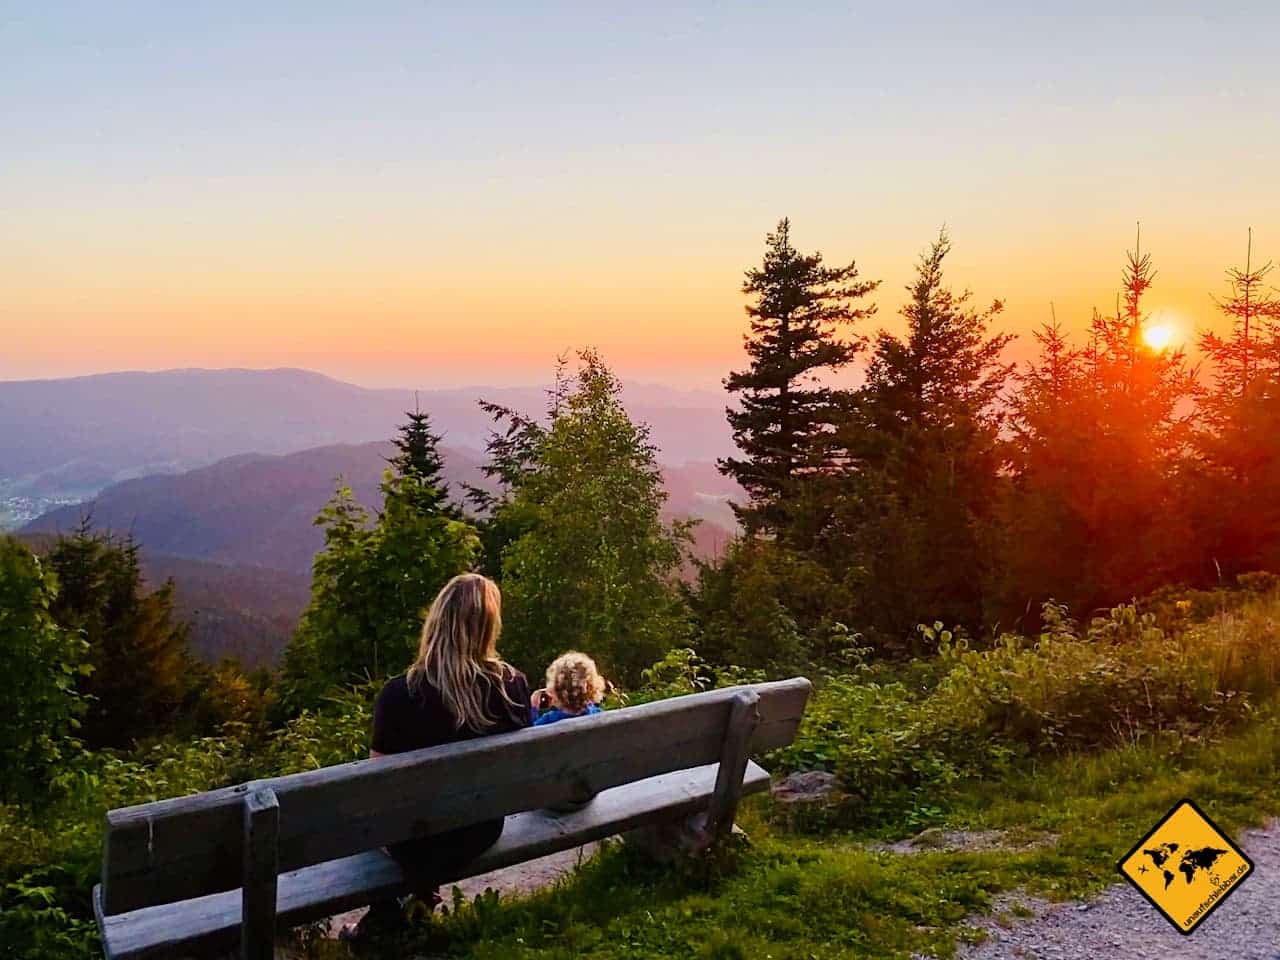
1040 596
71 438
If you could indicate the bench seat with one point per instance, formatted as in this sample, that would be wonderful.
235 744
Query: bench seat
212 922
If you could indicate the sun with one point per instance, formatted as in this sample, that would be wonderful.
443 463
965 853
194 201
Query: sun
1158 336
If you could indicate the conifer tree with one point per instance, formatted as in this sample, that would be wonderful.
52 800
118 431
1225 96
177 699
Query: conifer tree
1037 533
141 666
1091 513
927 447
1245 352
1235 512
419 456
785 424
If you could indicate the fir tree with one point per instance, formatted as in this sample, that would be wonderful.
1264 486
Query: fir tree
926 436
1234 510
785 424
1244 352
419 456
142 671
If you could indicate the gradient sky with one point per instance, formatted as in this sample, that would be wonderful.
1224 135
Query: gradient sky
445 193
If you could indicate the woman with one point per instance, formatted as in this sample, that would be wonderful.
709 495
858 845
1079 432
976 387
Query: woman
458 688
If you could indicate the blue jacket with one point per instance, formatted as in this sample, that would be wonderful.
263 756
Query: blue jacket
555 713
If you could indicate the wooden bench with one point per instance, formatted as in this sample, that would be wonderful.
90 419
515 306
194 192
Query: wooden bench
202 873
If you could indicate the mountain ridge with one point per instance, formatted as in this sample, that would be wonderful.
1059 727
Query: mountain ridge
68 438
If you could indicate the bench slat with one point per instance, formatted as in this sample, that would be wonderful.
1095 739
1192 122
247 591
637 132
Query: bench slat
190 846
213 922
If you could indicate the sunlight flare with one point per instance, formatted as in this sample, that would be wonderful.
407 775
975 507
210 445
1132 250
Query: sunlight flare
1158 336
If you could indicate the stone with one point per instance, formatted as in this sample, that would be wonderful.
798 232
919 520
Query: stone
807 786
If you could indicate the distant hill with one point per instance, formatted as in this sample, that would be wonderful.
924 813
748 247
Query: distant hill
245 613
258 510
252 509
74 437
238 535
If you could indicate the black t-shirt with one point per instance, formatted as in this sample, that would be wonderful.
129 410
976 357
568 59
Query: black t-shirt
405 720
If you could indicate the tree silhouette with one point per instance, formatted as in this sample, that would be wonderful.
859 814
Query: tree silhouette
786 424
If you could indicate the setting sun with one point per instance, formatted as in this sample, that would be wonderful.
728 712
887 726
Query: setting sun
1158 336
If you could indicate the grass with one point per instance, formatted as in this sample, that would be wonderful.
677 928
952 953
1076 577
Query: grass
793 897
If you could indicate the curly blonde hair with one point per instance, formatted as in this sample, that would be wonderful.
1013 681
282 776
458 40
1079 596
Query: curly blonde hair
574 681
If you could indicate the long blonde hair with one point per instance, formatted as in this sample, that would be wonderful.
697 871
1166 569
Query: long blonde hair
458 654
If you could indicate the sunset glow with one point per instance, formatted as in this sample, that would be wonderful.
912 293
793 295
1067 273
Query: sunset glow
430 195
1158 336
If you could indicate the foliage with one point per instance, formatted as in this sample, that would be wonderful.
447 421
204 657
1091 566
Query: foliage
142 672
900 749
1228 491
336 731
925 435
1091 512
50 855
769 607
418 454
41 703
794 898
592 566
371 585
784 424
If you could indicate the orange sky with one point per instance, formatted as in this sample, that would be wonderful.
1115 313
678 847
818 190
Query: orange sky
391 217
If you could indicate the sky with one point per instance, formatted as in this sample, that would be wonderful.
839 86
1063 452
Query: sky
439 194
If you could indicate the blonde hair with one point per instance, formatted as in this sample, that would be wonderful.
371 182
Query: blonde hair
458 654
574 681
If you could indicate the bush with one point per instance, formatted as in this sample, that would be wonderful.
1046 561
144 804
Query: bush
900 748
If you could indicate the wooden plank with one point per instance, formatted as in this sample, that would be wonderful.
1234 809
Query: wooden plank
187 847
261 869
744 717
213 922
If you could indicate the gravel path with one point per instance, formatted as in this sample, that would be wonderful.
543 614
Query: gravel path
514 881
1120 925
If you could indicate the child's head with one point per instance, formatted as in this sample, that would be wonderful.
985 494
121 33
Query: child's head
574 681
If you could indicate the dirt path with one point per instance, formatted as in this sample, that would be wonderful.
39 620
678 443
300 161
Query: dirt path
1120 925
514 881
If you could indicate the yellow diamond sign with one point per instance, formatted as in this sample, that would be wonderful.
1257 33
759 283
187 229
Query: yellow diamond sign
1185 866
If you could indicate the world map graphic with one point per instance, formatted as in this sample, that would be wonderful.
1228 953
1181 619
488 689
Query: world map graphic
1168 857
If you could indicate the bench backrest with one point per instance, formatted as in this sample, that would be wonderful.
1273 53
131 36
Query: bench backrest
191 846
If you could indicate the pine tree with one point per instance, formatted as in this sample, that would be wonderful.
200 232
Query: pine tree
1244 353
785 426
419 456
926 438
142 668
1037 534
1141 423
1090 515
1236 516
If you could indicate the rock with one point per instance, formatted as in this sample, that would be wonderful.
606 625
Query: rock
807 786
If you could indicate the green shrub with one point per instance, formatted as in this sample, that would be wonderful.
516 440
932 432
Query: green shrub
900 748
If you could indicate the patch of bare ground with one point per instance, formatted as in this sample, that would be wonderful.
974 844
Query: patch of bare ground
1121 925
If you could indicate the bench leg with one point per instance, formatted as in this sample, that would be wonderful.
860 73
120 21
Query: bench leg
744 717
261 867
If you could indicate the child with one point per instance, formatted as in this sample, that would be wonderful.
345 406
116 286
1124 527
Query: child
574 689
